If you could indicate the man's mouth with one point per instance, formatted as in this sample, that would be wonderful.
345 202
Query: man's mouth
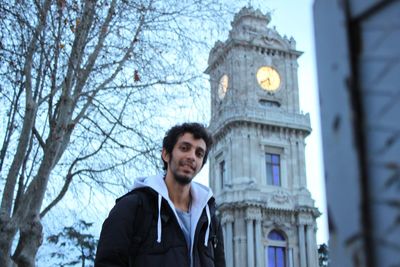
189 166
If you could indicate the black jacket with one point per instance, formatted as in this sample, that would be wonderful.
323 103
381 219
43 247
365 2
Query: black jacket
121 245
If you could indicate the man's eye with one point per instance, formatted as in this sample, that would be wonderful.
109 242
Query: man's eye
184 148
200 154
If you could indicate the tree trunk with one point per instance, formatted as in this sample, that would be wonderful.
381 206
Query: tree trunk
30 239
30 226
7 235
27 216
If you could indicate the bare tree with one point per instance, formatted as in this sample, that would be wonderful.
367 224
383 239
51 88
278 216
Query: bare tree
82 87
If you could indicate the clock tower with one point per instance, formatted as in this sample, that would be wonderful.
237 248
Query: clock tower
257 165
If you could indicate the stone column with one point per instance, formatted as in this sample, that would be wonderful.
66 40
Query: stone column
302 244
314 240
302 163
293 163
250 241
229 247
259 245
228 221
311 249
239 248
290 257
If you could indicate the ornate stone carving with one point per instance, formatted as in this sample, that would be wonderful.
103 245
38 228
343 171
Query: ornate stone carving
227 218
253 213
280 197
305 219
279 219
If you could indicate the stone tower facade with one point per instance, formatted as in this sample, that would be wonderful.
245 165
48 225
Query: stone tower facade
257 166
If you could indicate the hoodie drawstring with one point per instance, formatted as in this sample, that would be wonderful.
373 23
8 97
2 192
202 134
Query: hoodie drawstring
208 226
159 219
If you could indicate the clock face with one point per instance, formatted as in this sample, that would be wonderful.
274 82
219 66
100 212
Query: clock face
223 86
268 78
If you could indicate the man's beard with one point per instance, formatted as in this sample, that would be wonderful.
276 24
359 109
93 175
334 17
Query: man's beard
182 179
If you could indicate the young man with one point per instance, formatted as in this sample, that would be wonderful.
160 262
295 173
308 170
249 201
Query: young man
167 220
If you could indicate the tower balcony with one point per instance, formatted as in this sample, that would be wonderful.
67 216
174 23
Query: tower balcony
229 115
243 195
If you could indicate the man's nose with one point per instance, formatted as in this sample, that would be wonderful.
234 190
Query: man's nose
192 154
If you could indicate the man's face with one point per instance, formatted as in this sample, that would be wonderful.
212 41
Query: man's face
186 159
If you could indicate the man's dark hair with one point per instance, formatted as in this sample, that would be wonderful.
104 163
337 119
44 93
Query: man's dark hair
199 132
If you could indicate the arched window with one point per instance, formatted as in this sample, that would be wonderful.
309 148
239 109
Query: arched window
276 250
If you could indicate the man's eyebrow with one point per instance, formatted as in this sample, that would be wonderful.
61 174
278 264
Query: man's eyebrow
201 149
190 144
186 143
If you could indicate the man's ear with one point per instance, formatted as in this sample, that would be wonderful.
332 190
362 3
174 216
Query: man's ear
165 155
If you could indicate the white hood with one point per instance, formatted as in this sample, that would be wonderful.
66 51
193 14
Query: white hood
200 196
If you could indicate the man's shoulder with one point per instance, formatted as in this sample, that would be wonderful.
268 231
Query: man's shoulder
134 198
137 195
132 201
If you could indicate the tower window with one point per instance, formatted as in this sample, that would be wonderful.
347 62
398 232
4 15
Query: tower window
277 250
273 168
222 173
275 235
276 256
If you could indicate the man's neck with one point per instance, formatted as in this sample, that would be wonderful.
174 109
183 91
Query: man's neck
179 194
